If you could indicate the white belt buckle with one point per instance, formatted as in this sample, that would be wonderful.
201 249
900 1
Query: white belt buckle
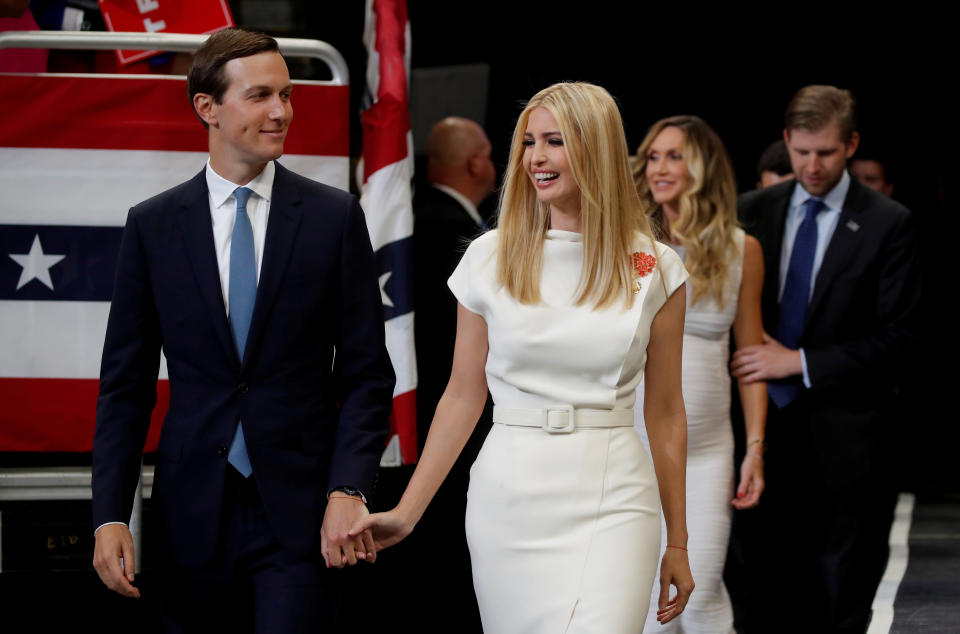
566 429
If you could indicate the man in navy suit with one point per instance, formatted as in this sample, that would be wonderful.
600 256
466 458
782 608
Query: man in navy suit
840 303
261 289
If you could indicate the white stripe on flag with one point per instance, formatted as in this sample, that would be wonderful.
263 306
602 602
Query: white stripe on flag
97 187
399 331
54 340
386 201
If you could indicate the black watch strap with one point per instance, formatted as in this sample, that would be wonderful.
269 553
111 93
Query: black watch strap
351 491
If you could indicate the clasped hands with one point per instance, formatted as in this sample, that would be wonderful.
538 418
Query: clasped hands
368 534
339 545
386 528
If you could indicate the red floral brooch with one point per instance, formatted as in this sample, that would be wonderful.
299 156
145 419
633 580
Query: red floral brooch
643 265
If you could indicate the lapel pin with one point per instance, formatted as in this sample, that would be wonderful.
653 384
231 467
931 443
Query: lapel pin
852 226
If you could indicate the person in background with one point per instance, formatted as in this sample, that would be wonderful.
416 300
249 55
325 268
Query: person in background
563 310
774 165
840 304
460 177
687 188
872 171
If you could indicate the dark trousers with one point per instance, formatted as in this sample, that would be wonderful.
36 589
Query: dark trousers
813 554
253 584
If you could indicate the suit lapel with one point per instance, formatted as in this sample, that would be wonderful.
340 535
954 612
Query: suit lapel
772 245
282 225
842 247
197 232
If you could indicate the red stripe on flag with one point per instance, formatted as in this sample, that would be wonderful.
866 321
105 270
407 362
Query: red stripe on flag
59 415
134 113
403 423
391 45
386 122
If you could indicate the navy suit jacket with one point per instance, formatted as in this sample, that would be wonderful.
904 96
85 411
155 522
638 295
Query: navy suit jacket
860 327
313 389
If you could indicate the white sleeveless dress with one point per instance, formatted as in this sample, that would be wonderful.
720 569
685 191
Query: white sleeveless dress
563 529
706 396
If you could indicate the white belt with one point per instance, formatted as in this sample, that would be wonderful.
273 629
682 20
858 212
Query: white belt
562 419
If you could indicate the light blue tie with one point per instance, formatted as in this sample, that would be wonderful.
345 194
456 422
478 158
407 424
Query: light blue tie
242 295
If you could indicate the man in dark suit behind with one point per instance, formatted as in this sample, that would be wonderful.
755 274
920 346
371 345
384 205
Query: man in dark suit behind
839 308
461 175
261 289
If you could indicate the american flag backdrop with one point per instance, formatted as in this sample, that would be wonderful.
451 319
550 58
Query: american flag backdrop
76 152
386 170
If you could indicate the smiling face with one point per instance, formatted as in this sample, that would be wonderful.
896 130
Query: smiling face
545 162
666 171
249 125
819 157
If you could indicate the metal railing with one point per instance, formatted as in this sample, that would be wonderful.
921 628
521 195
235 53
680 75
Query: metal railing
176 42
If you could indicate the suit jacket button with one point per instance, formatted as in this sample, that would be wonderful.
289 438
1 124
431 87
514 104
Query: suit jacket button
243 388
222 452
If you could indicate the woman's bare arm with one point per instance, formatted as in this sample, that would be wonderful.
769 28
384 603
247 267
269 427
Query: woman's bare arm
456 416
748 331
666 423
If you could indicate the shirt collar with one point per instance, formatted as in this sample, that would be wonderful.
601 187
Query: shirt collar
465 202
221 189
833 201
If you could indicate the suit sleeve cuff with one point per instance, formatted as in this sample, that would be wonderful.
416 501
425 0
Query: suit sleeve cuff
806 376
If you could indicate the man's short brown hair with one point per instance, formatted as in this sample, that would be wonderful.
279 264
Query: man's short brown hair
815 107
206 74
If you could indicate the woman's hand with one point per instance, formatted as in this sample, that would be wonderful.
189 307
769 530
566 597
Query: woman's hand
751 482
387 528
674 571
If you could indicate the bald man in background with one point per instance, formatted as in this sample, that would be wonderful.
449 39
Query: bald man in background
460 176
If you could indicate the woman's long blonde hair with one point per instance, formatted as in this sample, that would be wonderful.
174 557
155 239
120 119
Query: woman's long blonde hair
707 210
610 211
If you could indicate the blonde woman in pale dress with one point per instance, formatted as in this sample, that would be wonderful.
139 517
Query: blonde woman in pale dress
687 187
561 311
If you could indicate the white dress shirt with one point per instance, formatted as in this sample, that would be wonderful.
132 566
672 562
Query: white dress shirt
826 224
223 214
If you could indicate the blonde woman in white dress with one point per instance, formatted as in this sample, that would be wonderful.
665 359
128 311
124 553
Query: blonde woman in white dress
687 187
563 311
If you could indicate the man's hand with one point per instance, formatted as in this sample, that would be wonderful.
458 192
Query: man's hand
114 560
768 360
336 544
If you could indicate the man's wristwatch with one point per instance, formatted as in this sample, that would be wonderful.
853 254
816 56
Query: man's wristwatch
351 491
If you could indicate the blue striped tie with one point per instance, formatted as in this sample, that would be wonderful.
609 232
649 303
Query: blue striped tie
242 295
795 297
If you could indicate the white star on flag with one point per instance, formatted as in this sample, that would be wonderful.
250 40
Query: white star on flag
383 289
36 264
